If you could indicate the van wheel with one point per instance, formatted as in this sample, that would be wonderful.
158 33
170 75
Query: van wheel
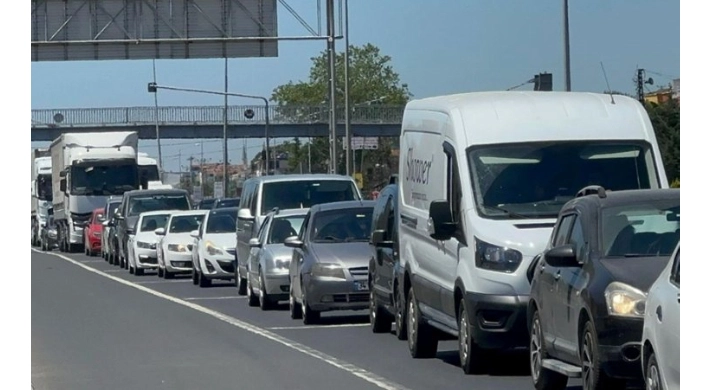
400 324
472 357
543 379
380 322
421 338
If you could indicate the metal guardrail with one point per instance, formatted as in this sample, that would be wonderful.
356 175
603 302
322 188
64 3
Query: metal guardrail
210 115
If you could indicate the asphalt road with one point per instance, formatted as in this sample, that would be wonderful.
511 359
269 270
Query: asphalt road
95 326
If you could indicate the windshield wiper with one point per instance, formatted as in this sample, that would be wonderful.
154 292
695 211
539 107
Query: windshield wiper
507 212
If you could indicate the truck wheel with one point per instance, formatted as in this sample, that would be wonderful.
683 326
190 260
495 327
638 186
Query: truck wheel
472 357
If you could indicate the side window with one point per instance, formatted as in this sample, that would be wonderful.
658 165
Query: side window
576 238
261 234
253 198
562 231
453 188
675 274
391 233
304 228
246 196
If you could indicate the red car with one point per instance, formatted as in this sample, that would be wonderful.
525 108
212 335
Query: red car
92 233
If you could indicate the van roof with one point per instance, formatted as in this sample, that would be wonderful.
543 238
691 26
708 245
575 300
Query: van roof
514 116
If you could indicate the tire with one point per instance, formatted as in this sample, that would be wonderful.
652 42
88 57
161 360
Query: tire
167 274
195 277
240 282
473 358
421 338
203 280
138 271
652 374
160 272
310 316
543 379
130 269
252 299
265 302
593 377
400 323
380 321
293 307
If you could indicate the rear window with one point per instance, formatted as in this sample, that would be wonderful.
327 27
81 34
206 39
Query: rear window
142 204
305 193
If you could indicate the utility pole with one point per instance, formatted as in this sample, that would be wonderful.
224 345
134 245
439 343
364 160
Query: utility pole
225 142
348 135
330 12
157 126
568 78
192 173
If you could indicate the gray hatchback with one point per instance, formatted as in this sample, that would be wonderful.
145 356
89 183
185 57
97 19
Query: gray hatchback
328 270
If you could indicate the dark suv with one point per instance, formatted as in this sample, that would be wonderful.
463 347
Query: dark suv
386 293
589 286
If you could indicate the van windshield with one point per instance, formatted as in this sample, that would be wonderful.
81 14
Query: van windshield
534 180
305 193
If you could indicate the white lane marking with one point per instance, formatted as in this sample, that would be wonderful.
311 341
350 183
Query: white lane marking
333 361
203 298
92 261
113 270
317 326
159 281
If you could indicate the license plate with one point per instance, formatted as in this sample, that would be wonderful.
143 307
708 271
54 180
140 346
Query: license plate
361 286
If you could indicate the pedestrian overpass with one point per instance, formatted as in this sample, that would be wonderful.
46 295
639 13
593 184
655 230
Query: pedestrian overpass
208 121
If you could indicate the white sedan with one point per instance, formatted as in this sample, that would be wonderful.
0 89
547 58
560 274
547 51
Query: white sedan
175 246
142 244
661 329
214 253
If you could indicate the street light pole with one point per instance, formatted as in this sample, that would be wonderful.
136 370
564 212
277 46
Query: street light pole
157 127
330 11
266 134
225 141
348 136
568 79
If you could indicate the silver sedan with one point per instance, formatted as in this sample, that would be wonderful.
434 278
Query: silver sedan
330 258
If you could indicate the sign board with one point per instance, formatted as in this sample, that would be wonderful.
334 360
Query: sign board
362 143
218 190
197 193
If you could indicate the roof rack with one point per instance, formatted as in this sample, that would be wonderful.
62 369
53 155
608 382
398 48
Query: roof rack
591 190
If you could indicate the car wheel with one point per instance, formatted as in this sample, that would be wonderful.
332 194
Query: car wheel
251 297
593 377
421 339
379 320
195 279
160 272
400 325
167 274
265 302
293 307
203 280
543 379
310 316
240 282
653 374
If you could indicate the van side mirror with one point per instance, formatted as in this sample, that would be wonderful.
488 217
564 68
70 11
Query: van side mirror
159 231
195 234
254 243
118 216
63 185
441 225
245 214
293 242
379 239
562 256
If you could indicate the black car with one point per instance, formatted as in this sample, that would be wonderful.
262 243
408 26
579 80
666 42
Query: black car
386 293
206 204
225 202
589 286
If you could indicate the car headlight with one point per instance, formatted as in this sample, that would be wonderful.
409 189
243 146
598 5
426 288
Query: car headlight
625 301
145 245
212 250
282 263
496 258
328 270
177 248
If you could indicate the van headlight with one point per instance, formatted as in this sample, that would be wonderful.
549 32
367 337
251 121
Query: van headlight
623 300
497 258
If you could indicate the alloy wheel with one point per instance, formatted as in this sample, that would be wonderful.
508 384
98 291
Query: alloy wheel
535 351
587 362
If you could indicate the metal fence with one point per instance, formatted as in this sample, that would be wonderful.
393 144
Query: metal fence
197 115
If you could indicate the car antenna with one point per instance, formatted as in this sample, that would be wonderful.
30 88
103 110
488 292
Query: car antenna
607 83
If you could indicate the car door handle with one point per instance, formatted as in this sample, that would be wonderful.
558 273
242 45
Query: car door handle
659 313
557 275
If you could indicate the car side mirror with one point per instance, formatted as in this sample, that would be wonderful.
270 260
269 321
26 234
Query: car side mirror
441 225
63 185
245 214
159 231
254 243
562 256
129 231
106 223
293 242
118 216
195 234
379 239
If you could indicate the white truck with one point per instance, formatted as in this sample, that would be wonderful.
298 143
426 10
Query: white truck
88 168
41 191
149 173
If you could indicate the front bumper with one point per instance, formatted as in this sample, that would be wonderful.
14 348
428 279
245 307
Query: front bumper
146 258
325 293
178 261
620 346
277 284
498 321
76 237
218 267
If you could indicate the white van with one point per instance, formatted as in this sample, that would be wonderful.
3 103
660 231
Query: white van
482 178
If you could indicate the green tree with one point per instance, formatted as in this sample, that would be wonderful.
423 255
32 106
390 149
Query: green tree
665 119
373 81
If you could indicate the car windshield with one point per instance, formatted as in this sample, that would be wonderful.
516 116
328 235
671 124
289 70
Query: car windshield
224 203
206 204
648 228
157 202
535 180
285 227
44 187
222 222
305 193
344 225
185 223
103 180
152 222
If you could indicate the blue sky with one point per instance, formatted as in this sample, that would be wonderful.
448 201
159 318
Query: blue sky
438 47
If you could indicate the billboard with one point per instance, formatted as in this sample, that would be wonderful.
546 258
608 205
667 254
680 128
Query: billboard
85 30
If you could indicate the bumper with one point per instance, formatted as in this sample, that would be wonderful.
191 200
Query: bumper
219 267
499 321
95 244
146 258
620 346
76 237
324 294
277 284
178 262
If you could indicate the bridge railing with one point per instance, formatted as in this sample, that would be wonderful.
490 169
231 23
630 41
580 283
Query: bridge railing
290 114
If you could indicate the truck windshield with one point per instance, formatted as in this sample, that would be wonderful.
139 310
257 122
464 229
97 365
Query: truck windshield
103 180
148 173
157 202
44 187
534 180
298 194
